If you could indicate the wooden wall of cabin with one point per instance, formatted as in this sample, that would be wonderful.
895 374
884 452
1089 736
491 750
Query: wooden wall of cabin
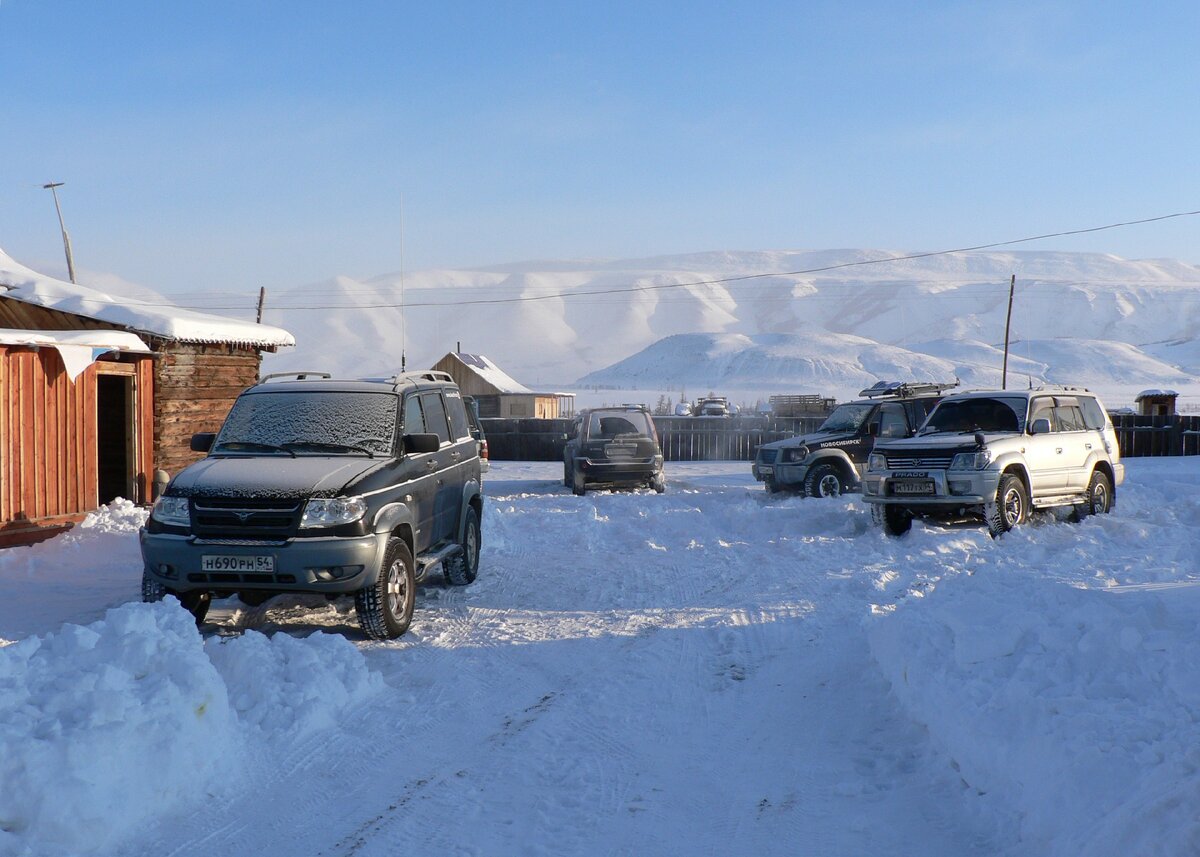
194 388
48 439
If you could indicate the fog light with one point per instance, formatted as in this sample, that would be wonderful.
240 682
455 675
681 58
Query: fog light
323 574
958 486
871 487
166 570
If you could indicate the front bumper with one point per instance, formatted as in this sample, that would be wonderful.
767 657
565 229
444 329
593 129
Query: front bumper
790 473
300 565
951 488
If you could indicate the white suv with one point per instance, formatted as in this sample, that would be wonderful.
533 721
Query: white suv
996 455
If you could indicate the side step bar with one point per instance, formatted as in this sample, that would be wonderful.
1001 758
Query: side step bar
433 558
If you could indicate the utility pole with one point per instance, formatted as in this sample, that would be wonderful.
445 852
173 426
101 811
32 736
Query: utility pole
1012 285
51 186
262 298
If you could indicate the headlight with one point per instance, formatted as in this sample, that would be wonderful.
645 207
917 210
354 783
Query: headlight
876 461
172 511
331 513
971 460
793 455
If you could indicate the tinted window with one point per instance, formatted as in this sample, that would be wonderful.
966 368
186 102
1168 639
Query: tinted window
435 416
414 420
457 410
1069 419
310 422
1093 415
891 421
977 414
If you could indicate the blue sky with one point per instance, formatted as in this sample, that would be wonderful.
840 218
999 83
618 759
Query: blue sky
245 144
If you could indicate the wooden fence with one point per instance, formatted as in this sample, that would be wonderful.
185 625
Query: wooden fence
681 438
738 438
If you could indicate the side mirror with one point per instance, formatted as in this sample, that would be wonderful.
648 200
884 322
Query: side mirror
203 441
1040 426
419 443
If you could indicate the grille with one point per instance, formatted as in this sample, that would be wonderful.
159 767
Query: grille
257 520
926 462
768 456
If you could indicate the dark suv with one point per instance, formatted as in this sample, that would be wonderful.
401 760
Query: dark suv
833 459
324 486
613 447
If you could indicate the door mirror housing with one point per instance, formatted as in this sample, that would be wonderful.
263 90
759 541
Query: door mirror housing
419 443
203 441
1040 426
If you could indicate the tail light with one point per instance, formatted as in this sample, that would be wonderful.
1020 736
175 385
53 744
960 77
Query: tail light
483 449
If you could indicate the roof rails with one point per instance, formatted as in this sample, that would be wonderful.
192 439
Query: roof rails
905 389
299 376
421 375
1044 388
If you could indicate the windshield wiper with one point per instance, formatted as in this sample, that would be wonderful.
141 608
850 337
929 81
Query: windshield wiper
246 445
318 444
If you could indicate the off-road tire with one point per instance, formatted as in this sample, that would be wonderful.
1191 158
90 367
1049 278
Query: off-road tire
462 568
895 520
659 483
152 590
772 486
825 480
578 483
1099 496
196 603
566 475
1010 508
385 607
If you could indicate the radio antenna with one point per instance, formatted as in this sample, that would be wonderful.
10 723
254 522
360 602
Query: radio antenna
403 308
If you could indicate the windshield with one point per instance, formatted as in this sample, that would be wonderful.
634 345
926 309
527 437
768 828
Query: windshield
313 423
847 417
603 425
999 414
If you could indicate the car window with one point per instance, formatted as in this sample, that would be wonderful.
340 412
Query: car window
609 425
1093 414
891 420
435 416
1069 418
1043 409
414 418
1000 414
457 410
311 423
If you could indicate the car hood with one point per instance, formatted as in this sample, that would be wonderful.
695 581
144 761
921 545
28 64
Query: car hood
815 440
943 441
271 476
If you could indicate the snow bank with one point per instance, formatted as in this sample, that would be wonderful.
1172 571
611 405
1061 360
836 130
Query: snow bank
105 726
1075 707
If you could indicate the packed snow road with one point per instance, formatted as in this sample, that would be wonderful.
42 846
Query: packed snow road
710 671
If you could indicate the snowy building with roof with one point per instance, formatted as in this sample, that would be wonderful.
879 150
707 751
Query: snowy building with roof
497 394
97 392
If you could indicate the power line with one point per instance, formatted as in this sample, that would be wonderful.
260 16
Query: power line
689 284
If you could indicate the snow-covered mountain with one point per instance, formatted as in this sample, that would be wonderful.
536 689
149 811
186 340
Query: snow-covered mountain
786 321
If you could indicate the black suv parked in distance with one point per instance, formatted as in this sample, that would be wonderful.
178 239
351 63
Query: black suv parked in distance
833 459
324 486
613 447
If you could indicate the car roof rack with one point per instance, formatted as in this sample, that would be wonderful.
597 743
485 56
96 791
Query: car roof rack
297 376
421 375
1062 388
905 389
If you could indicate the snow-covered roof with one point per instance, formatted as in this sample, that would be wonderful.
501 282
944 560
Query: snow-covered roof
491 373
78 348
24 284
1146 394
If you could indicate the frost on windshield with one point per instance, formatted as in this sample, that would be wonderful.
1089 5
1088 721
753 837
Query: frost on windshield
999 414
846 418
311 422
611 424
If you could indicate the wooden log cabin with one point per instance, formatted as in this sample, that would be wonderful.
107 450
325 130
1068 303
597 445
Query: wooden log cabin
99 392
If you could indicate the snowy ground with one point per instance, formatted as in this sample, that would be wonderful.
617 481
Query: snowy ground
711 671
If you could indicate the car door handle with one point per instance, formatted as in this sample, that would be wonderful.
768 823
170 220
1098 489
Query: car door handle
1087 446
431 464
1059 450
456 455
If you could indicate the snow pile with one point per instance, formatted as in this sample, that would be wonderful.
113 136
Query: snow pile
106 726
1074 707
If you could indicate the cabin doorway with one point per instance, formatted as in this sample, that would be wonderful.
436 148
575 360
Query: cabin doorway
115 419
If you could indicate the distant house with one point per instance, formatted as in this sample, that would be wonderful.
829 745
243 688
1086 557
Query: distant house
497 394
97 392
1156 403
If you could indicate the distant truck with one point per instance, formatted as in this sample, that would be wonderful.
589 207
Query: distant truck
714 406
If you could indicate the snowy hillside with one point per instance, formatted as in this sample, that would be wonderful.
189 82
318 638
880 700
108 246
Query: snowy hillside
1114 324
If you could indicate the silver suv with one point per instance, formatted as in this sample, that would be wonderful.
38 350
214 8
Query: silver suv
997 455
324 486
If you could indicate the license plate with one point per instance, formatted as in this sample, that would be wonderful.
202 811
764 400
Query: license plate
766 471
265 564
916 486
620 450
